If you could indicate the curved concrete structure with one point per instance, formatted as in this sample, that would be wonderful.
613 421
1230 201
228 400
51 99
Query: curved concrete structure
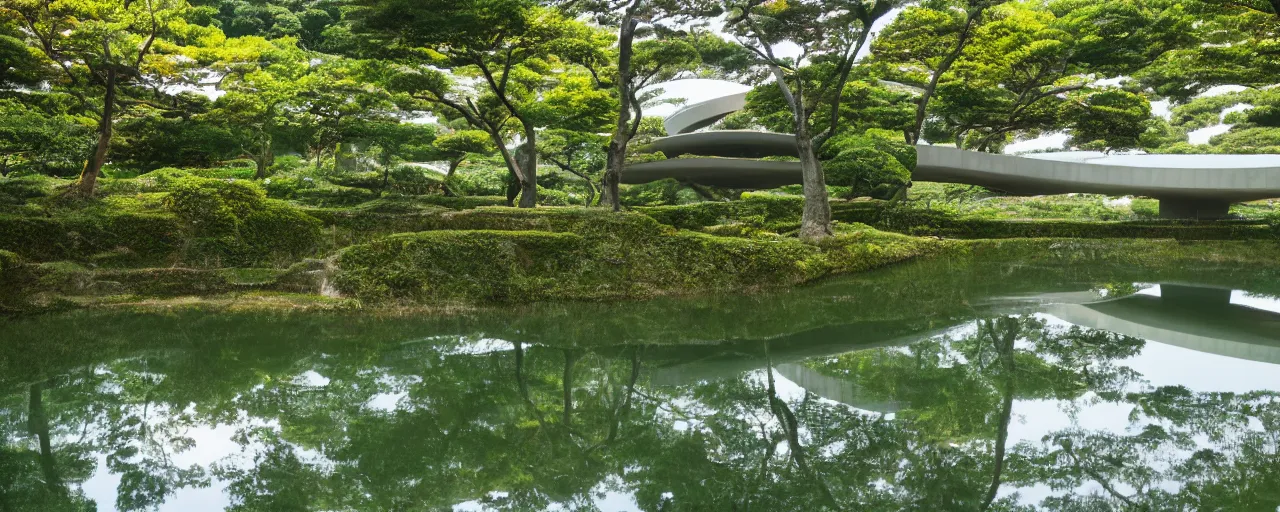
726 143
1184 192
717 172
704 114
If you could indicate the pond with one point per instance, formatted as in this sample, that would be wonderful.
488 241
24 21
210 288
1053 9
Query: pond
938 385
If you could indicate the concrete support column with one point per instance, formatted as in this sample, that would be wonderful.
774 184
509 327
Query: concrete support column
1200 209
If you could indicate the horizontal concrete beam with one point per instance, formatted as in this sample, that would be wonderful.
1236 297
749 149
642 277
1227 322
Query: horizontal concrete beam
716 172
1183 192
1032 176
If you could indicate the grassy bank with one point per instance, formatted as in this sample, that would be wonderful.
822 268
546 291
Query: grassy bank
178 239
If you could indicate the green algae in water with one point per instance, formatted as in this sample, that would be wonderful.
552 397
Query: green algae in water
967 383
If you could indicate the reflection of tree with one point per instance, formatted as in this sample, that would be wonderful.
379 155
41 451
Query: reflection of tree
1164 461
33 477
523 426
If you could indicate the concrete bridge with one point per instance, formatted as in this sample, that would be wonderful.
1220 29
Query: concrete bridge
730 158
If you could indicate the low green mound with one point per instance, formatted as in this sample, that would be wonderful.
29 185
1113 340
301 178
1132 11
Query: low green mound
8 263
109 237
523 255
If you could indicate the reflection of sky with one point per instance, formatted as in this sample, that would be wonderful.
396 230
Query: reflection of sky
1158 364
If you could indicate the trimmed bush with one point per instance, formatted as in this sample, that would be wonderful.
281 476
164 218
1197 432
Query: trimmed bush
279 232
756 210
214 207
232 222
132 238
334 196
414 180
17 191
8 263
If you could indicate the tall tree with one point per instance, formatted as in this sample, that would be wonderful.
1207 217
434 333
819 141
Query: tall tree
932 36
105 48
1110 120
261 79
829 34
508 46
640 64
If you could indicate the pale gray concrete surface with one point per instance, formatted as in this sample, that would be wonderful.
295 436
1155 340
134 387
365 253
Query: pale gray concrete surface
704 114
1184 192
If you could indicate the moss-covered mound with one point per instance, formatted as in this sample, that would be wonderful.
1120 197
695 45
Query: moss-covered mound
500 255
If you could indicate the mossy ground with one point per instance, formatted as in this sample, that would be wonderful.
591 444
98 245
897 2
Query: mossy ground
174 239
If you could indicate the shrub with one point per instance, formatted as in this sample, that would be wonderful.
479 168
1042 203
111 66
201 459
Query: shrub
23 189
8 262
553 197
1147 208
363 180
521 255
286 187
414 180
279 231
214 207
232 222
129 237
333 196
288 164
869 166
479 179
235 173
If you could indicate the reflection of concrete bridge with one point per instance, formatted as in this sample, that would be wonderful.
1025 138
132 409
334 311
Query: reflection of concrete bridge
1196 318
1188 316
729 159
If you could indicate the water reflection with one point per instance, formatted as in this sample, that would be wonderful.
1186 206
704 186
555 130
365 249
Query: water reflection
954 397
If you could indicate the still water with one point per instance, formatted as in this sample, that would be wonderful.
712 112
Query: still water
928 386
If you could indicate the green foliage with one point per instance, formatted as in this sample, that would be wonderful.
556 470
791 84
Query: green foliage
232 222
35 141
479 177
1111 120
15 192
279 232
414 180
869 166
8 263
333 196
151 141
115 237
657 193
585 254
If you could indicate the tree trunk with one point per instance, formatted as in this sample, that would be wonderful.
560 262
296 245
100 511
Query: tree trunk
453 166
4 167
89 176
529 165
38 425
570 359
264 160
815 222
617 154
1003 340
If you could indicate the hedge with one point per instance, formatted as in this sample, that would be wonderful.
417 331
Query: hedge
123 237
